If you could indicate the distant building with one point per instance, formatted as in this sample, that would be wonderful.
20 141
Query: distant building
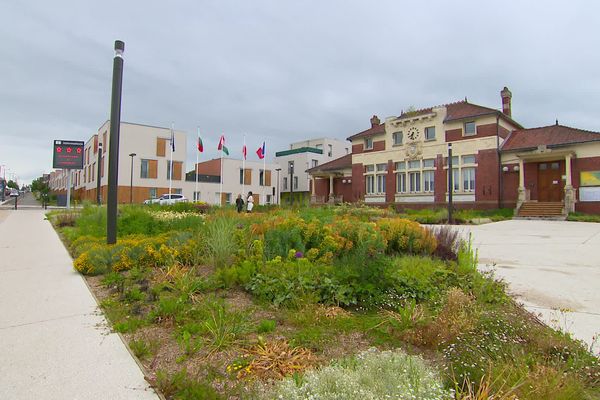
151 163
496 162
303 156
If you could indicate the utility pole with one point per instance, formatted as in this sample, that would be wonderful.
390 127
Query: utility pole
98 186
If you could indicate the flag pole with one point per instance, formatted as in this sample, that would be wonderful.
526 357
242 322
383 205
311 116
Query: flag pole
196 166
171 162
244 168
264 178
221 180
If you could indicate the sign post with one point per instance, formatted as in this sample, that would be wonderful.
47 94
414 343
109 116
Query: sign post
68 155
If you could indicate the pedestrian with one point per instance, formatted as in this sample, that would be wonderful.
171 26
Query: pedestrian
250 202
239 203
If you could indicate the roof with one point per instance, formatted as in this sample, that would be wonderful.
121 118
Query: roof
298 151
454 111
334 165
551 136
377 129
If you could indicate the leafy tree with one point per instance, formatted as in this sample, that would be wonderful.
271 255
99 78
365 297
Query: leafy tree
12 184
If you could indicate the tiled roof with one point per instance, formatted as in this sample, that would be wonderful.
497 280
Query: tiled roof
377 129
551 136
337 164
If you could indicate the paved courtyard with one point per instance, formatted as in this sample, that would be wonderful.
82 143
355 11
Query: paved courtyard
553 268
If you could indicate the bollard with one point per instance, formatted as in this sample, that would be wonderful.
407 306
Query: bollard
16 197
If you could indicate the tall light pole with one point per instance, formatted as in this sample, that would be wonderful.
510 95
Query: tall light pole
113 153
291 172
99 177
278 170
131 179
3 188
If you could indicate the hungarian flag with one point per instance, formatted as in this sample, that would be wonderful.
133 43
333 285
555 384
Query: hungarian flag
222 145
244 151
261 151
200 145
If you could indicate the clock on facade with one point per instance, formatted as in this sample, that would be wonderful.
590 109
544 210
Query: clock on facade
413 133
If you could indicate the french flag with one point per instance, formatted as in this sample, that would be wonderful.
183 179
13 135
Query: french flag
261 151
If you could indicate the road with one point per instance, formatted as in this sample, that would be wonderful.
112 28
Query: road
552 267
26 200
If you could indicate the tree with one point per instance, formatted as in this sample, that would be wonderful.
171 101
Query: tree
12 184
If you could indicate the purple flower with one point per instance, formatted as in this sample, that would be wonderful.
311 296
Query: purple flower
299 254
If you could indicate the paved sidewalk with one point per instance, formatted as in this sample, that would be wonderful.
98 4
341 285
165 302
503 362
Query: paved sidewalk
553 267
54 344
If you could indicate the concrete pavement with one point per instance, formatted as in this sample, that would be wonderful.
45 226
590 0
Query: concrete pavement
552 267
54 344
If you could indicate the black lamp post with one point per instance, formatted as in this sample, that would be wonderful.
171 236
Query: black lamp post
131 179
99 177
291 172
113 153
278 170
450 184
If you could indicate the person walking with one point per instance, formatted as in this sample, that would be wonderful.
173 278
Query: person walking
239 203
250 202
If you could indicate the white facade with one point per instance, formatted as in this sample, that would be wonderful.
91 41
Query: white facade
305 155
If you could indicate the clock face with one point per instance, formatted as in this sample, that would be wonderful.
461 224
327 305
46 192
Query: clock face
413 133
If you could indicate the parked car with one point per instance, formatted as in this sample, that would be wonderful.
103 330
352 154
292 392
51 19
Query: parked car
14 193
166 199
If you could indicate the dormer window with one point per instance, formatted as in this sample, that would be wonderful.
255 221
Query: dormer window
470 129
368 143
397 137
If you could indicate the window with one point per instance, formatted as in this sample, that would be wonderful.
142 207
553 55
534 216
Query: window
261 177
369 168
397 137
241 176
400 168
153 193
285 183
295 182
428 181
456 179
144 170
177 191
330 151
414 177
196 196
370 184
381 167
468 175
269 199
368 143
380 183
314 163
319 146
227 198
92 173
430 133
470 128
470 159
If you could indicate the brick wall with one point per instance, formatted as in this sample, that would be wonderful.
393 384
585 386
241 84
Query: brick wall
482 131
344 189
211 167
440 180
510 185
486 176
358 182
584 164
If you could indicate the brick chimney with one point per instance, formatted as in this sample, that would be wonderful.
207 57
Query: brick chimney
506 101
375 121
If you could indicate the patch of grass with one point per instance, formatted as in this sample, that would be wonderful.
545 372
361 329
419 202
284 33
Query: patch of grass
582 217
181 386
221 246
220 327
266 326
141 349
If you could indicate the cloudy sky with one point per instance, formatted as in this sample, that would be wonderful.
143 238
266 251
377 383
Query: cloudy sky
284 71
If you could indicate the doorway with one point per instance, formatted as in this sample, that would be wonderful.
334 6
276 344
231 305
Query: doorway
550 183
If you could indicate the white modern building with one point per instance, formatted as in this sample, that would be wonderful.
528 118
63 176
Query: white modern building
145 170
302 156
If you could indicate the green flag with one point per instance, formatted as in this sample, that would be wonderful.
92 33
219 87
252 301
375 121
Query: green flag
225 150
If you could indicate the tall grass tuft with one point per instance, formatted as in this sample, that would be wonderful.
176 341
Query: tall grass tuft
220 241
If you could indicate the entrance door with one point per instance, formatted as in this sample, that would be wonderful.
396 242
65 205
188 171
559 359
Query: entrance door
550 183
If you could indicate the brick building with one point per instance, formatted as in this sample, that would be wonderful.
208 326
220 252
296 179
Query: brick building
403 161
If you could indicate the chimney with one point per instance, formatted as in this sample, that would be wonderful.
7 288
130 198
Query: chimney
506 101
375 121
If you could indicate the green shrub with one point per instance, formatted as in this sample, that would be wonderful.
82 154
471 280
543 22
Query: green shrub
581 217
369 375
406 237
181 386
419 278
266 326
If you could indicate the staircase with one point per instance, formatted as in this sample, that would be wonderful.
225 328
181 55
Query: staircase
545 210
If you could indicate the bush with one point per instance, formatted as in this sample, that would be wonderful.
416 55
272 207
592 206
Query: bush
220 241
404 236
369 375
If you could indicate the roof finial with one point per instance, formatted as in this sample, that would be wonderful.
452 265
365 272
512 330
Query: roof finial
556 121
466 99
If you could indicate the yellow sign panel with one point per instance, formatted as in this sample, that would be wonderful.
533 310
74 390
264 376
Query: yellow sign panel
590 178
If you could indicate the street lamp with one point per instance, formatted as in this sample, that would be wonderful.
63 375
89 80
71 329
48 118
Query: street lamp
131 180
99 178
277 169
291 172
